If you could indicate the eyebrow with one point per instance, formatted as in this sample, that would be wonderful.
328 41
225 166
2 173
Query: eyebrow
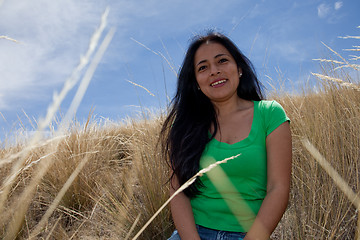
219 55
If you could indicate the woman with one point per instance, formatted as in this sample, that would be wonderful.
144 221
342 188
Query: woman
218 112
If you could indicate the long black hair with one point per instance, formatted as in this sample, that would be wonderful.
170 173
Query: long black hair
185 131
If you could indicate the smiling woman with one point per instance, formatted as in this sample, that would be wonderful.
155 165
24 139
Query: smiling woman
218 112
216 72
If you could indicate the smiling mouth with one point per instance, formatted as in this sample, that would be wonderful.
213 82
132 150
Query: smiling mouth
218 82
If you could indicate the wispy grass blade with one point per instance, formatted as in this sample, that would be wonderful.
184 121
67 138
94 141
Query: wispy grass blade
9 38
353 37
58 198
182 188
132 227
330 61
339 181
57 100
26 196
337 54
74 78
86 79
138 85
172 68
337 80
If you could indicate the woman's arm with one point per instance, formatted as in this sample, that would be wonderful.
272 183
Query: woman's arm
279 148
182 213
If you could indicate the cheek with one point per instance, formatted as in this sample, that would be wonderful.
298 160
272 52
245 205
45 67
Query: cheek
200 79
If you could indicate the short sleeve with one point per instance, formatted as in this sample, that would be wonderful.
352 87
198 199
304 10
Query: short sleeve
274 117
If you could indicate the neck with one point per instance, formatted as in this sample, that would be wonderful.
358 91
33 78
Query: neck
231 106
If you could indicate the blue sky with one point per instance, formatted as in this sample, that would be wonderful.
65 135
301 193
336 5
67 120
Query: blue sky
281 37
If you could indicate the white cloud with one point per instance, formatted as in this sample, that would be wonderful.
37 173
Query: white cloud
329 12
294 51
54 34
338 5
51 38
323 10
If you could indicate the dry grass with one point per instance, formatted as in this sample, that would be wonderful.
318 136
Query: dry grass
330 119
124 179
106 181
325 183
119 181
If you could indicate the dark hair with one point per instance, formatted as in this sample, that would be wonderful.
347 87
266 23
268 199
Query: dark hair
185 130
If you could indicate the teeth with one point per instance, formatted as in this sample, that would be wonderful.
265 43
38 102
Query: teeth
216 83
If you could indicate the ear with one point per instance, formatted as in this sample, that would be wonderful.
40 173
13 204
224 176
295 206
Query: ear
240 72
197 86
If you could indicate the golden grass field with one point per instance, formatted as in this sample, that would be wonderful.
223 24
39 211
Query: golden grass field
98 181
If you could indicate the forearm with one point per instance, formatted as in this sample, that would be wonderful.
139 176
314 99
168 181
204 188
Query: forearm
269 215
182 214
183 217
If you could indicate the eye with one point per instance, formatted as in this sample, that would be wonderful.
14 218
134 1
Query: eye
201 68
223 60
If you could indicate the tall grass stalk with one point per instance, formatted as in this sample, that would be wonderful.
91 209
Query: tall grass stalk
58 198
87 78
138 85
170 65
340 182
24 201
182 188
8 38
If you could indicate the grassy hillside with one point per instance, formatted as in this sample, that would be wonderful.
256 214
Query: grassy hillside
105 182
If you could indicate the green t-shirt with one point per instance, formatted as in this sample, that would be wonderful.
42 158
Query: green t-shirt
234 191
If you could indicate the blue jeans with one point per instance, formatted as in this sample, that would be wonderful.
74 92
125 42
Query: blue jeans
211 234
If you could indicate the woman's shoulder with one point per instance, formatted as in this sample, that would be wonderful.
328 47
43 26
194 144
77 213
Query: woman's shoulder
268 104
271 108
273 114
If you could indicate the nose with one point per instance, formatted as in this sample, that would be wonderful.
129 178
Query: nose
214 70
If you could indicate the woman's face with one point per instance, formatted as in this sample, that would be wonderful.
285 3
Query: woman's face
216 72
